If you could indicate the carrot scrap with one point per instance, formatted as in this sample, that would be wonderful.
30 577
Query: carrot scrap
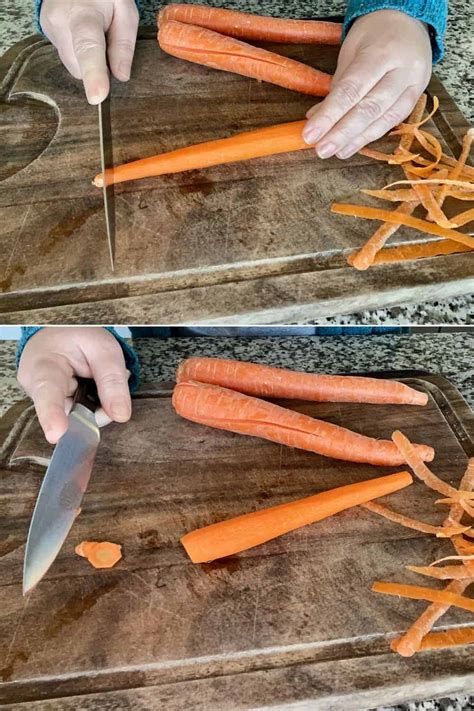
402 195
464 184
243 532
439 531
448 572
211 49
100 554
416 592
390 158
398 218
243 25
447 639
229 410
464 217
408 252
267 381
461 162
452 557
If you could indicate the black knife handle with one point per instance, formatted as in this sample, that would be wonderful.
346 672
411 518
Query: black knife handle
86 394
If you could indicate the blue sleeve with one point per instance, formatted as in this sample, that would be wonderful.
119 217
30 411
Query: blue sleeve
131 359
38 4
433 12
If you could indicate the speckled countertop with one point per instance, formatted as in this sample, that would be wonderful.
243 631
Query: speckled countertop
448 353
17 22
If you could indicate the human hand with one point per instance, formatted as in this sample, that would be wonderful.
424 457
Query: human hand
54 356
383 68
86 32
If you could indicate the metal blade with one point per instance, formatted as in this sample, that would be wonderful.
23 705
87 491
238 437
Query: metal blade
106 161
61 493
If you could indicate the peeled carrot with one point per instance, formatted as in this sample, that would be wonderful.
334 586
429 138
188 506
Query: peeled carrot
449 638
267 381
243 25
267 141
228 410
100 554
416 592
211 49
239 534
398 218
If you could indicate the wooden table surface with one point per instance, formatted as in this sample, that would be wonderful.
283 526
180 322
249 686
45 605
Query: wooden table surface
290 622
251 242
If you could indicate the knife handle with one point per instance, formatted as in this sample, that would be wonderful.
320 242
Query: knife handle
86 394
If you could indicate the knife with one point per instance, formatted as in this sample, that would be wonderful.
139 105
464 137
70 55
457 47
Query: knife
63 487
106 161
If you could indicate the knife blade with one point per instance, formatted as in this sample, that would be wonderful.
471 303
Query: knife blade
63 486
106 161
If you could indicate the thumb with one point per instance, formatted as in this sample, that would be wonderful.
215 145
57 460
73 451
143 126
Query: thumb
88 41
111 377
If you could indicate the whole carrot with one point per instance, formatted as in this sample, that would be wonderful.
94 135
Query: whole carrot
243 25
201 46
266 381
252 529
228 410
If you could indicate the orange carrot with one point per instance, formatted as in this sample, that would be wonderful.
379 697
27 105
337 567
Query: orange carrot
271 140
398 218
201 46
243 25
408 252
416 592
448 572
439 531
267 381
228 410
100 554
449 638
239 534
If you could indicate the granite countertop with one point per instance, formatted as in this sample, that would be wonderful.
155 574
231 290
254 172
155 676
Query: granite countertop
18 22
448 353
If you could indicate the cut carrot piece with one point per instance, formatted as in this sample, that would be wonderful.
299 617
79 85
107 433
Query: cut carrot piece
228 410
450 638
268 381
409 252
211 49
416 592
243 25
100 554
239 534
439 531
449 572
398 218
272 140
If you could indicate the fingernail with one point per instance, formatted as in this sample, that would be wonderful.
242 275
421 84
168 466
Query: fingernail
347 152
119 410
124 71
312 135
326 150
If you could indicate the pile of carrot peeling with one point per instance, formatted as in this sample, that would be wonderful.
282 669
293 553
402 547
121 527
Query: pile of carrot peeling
226 394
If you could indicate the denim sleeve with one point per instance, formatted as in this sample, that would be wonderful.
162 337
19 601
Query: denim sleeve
131 359
432 12
38 4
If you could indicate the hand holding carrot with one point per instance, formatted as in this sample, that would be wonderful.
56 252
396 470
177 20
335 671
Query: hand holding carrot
88 32
384 66
54 356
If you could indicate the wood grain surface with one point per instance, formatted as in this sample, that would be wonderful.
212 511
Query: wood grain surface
247 242
290 622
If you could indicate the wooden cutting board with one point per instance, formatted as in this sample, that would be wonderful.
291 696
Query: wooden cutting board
253 242
292 621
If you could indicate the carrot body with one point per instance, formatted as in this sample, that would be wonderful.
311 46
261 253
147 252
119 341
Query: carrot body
201 46
239 534
415 592
228 410
398 218
265 381
271 140
450 638
243 25
100 554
